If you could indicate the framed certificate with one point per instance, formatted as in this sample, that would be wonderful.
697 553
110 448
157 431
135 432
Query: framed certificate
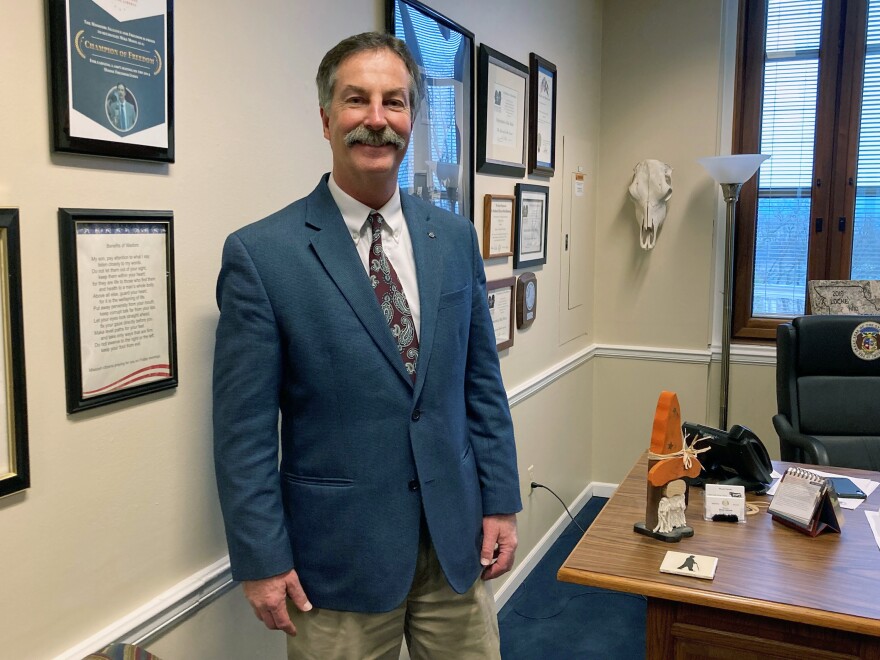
14 464
542 116
438 166
117 276
498 213
501 301
502 106
532 216
112 70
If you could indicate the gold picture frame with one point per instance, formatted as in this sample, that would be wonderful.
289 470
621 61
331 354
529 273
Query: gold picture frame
498 215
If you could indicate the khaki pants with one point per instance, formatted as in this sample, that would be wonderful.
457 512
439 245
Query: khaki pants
436 621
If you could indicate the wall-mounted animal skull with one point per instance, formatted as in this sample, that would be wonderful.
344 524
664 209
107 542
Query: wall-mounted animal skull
650 189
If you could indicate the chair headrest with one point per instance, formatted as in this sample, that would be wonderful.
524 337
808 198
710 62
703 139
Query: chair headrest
829 345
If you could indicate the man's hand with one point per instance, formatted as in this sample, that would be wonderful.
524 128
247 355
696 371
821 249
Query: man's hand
268 597
500 531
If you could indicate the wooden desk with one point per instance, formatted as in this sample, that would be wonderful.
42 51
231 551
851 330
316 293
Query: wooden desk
777 593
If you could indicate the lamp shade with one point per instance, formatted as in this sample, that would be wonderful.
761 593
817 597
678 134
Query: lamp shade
738 168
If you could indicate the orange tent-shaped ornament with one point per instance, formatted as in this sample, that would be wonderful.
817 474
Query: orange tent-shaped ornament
669 462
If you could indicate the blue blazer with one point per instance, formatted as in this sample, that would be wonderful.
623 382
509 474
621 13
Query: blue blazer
364 450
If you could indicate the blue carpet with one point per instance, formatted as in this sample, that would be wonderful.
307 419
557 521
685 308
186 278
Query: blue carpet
547 620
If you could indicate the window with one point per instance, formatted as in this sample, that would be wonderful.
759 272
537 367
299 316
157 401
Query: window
808 93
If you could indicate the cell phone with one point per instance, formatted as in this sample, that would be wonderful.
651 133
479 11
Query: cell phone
847 488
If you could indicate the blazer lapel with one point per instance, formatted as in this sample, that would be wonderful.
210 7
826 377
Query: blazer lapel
425 239
337 253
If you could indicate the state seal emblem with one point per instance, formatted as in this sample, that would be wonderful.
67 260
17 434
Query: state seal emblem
866 340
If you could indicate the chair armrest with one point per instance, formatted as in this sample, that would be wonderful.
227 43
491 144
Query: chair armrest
815 451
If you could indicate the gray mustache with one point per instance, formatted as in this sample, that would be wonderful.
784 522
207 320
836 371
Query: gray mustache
364 135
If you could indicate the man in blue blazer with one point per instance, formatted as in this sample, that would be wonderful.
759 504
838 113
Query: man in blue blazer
361 314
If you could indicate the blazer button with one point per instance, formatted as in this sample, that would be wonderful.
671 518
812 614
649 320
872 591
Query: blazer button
416 414
413 485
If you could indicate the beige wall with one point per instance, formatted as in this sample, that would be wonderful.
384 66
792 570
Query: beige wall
665 95
123 504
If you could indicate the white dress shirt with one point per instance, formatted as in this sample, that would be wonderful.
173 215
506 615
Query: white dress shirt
395 240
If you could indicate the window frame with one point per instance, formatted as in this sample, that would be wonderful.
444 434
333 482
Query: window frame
832 195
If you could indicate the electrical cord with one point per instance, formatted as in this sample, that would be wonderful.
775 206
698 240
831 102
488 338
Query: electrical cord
535 484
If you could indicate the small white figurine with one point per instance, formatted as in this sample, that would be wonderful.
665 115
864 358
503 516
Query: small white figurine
670 511
675 493
650 189
663 524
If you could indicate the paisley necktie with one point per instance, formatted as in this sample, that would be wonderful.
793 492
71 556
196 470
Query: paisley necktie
392 300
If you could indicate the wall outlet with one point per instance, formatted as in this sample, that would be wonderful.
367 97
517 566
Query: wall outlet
531 471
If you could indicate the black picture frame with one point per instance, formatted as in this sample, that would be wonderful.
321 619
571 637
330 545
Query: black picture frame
118 304
502 315
501 142
439 165
542 116
532 221
91 54
15 473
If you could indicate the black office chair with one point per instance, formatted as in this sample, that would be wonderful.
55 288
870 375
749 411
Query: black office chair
828 398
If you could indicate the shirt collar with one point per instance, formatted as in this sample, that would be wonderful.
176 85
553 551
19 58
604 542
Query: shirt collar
355 214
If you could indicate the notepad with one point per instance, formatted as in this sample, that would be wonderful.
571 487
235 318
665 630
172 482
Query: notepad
682 563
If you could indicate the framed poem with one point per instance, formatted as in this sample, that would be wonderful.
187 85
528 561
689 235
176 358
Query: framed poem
438 166
111 66
502 106
14 462
498 213
501 301
526 300
542 116
532 215
117 281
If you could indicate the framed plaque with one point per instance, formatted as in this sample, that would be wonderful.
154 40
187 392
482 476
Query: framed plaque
438 165
500 293
502 106
526 300
532 216
542 116
498 214
14 464
112 70
117 278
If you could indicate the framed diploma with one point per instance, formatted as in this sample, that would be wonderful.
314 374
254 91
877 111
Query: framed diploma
112 70
542 116
500 293
526 300
117 279
14 465
502 97
438 166
530 248
498 225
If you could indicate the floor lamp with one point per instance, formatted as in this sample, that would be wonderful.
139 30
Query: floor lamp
731 172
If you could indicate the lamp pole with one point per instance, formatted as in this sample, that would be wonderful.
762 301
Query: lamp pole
730 172
731 196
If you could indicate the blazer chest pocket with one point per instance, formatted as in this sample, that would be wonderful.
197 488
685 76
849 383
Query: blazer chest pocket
454 298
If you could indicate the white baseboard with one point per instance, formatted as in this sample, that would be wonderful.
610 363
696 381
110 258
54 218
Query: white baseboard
521 572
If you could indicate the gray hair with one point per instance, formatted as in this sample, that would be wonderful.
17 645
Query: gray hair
359 43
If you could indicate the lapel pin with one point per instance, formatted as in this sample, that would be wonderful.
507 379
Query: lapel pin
431 234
